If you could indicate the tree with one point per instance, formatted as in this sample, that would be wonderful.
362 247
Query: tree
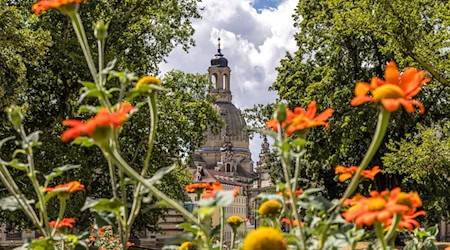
422 168
141 34
344 42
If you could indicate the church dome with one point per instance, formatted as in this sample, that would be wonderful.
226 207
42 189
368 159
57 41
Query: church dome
235 123
219 61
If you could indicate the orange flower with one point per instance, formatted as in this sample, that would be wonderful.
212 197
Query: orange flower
287 193
102 119
70 187
216 186
447 248
346 173
129 244
301 119
208 194
397 89
382 207
197 187
45 5
408 221
370 173
287 221
65 222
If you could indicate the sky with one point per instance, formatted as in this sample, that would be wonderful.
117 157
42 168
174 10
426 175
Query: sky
255 35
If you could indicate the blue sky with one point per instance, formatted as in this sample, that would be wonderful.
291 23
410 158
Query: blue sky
265 4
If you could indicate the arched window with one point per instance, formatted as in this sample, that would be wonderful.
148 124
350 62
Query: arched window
228 168
226 81
214 80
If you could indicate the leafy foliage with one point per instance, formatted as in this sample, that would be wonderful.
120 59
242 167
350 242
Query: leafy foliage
422 160
344 42
41 75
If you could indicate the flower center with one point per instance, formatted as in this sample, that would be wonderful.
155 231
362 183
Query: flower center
387 91
404 199
376 204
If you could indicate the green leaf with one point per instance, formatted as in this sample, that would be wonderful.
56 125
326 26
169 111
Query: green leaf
84 141
89 85
41 244
103 218
59 171
33 137
280 113
187 227
112 205
88 109
10 203
15 163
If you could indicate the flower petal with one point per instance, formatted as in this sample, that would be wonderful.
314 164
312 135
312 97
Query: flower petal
390 105
391 73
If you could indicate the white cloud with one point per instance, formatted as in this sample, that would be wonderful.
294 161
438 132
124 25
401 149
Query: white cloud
252 40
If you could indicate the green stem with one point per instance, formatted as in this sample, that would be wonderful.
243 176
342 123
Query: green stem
383 122
62 209
82 39
31 173
379 233
12 187
151 101
393 230
112 176
285 163
101 60
222 226
158 194
233 239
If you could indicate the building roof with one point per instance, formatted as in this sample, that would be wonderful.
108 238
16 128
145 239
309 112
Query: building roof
235 123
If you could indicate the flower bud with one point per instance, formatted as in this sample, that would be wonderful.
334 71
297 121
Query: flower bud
101 30
15 116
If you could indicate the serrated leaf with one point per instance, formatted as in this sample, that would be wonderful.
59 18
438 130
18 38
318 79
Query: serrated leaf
10 203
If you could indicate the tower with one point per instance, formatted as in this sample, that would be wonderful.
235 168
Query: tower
219 76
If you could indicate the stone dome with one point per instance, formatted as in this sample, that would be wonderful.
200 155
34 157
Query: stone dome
235 123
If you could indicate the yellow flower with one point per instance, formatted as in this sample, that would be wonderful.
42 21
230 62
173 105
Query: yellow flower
188 246
235 221
148 80
264 238
270 208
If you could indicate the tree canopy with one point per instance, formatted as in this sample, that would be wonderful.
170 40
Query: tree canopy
343 42
44 64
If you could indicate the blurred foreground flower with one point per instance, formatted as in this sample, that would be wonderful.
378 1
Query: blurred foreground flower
69 187
102 119
301 119
346 173
63 5
397 89
382 207
148 80
65 222
188 246
270 208
265 238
